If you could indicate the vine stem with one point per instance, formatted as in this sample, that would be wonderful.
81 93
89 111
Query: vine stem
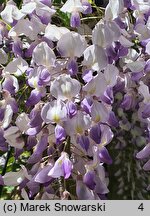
5 167
89 18
8 26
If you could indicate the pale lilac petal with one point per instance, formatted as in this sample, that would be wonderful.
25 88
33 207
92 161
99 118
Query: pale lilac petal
84 142
44 55
54 111
54 33
89 179
18 66
146 166
67 168
83 192
42 176
104 156
144 153
95 58
71 45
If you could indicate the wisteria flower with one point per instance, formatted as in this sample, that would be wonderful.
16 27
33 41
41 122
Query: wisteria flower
71 45
54 112
43 55
64 87
11 13
54 33
74 7
62 167
95 58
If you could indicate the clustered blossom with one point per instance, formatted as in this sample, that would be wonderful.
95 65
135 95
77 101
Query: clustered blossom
69 100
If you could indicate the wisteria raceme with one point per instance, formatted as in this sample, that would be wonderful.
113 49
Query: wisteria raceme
75 99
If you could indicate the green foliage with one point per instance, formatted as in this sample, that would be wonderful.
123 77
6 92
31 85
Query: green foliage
2 1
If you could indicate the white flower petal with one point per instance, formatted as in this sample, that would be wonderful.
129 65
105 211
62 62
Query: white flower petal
78 124
137 66
3 57
71 45
125 42
22 122
43 55
13 178
24 194
28 8
71 6
12 135
95 58
18 66
104 34
64 87
10 13
29 28
144 91
54 33
7 117
113 9
54 112
111 74
99 112
148 48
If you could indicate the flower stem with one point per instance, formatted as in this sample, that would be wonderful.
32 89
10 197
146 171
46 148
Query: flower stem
5 167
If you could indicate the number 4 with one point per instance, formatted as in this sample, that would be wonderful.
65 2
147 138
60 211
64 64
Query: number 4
141 207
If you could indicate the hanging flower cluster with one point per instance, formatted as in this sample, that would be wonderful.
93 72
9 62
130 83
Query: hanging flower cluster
72 94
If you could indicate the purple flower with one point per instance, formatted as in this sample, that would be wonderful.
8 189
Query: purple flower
95 133
127 102
104 156
31 142
72 67
83 192
33 187
47 2
136 76
1 180
44 77
86 105
3 145
146 166
112 120
71 109
33 131
146 111
127 3
60 134
75 20
34 98
17 49
83 141
147 67
42 175
28 52
88 9
87 75
36 119
62 167
107 97
144 153
2 112
88 179
9 86
40 147
120 23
